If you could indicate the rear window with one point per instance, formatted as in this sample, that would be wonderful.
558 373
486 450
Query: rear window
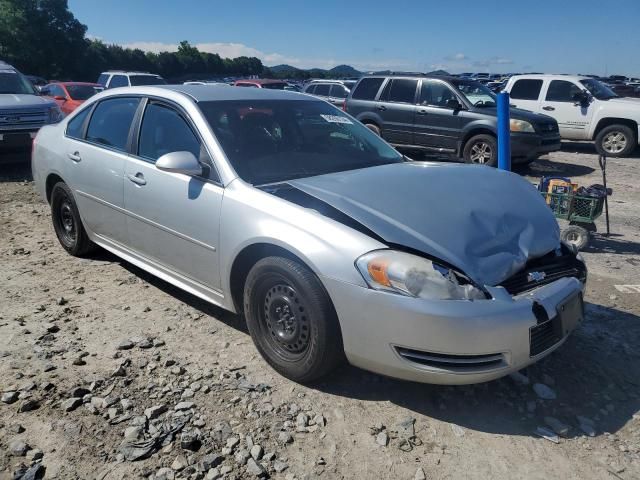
338 91
274 86
368 88
82 92
118 81
526 89
146 80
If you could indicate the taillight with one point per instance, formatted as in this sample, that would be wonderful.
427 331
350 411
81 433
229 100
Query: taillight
344 106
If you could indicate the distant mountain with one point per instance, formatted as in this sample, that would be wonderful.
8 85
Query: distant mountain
288 71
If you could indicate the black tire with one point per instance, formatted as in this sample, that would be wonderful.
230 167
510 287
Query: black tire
576 236
304 346
67 223
374 128
481 149
616 141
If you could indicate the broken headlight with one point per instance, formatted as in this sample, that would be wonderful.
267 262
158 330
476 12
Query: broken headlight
406 274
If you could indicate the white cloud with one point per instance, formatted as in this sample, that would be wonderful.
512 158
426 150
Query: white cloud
232 50
458 57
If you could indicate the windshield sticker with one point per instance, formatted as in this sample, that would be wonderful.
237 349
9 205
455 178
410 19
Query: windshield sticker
336 119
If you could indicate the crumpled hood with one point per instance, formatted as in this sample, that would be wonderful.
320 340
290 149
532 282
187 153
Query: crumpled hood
12 101
483 221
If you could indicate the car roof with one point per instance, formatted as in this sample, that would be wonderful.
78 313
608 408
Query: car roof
208 93
547 76
125 72
260 81
76 83
446 78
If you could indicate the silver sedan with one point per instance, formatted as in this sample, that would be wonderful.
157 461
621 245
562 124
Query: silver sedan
333 246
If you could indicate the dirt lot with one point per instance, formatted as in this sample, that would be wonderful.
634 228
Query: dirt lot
86 346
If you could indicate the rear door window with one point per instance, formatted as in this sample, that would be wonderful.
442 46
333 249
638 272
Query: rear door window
526 89
338 91
322 90
310 89
562 91
119 81
368 88
400 90
102 79
75 128
111 122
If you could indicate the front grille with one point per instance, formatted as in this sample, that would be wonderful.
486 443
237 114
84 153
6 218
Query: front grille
454 363
544 270
544 336
23 119
548 128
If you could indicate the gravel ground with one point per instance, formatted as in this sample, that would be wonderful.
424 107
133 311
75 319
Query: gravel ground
107 372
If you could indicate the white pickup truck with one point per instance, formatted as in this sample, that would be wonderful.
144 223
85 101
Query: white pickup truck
584 108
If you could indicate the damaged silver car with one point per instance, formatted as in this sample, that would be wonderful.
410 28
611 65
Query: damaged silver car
334 246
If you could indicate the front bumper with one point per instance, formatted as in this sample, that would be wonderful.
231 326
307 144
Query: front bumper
484 339
528 146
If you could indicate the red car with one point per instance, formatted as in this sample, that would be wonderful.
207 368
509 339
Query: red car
262 83
70 95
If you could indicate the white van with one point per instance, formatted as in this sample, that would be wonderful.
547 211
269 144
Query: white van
584 108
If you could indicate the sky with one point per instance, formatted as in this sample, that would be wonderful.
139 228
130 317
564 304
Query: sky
600 37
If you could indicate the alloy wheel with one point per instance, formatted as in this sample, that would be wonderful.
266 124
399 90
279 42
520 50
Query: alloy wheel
614 142
481 152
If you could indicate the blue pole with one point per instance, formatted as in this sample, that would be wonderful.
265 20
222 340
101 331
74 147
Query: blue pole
504 138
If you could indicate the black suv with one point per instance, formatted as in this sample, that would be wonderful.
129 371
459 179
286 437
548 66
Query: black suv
447 115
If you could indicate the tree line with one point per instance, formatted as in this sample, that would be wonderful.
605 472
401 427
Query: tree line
43 37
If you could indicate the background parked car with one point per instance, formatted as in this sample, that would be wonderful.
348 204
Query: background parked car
447 115
70 95
585 109
262 83
119 78
22 110
334 91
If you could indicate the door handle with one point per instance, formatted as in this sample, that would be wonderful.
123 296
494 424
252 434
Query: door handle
422 112
548 108
138 178
382 108
75 156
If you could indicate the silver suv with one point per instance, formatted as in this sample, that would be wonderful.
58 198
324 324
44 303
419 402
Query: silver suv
333 91
22 110
120 78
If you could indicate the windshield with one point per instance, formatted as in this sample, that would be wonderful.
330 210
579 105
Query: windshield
270 141
477 94
82 92
146 80
598 89
13 82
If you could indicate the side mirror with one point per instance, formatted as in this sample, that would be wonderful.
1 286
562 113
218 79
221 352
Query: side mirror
180 162
454 104
583 98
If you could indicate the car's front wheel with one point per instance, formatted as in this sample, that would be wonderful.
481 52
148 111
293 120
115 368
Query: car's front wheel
67 223
616 141
481 149
291 319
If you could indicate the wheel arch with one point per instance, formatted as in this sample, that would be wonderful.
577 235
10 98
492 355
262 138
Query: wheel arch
608 121
472 133
247 258
52 179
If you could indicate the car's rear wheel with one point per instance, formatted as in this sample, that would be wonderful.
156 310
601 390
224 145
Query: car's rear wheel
67 223
291 319
616 141
481 149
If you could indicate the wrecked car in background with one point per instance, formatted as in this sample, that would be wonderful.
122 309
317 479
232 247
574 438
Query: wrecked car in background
333 245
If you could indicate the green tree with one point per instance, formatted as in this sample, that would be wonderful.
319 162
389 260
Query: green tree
42 37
